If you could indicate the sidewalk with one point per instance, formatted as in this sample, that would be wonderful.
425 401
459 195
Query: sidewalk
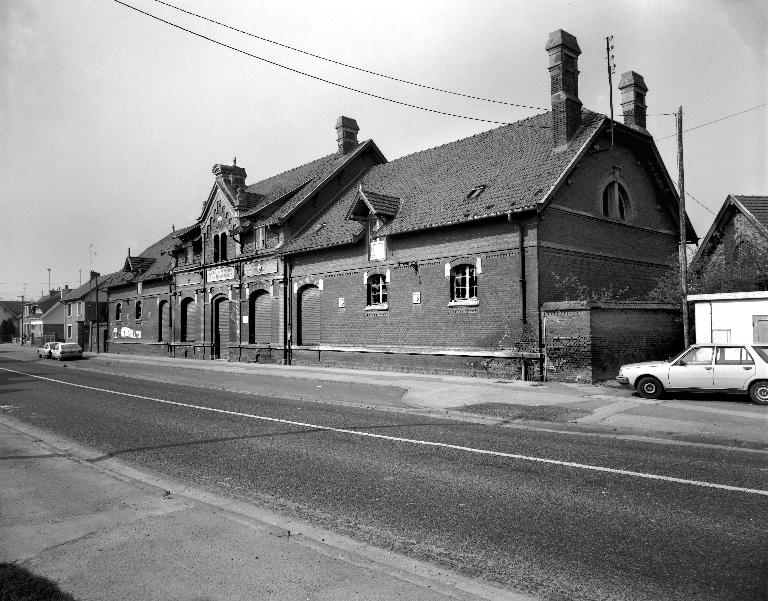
108 531
608 409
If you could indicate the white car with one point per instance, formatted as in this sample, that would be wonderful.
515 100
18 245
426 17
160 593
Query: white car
703 368
67 350
44 352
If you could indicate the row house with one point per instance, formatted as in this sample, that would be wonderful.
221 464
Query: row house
85 313
443 260
43 319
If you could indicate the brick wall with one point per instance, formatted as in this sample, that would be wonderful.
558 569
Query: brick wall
590 341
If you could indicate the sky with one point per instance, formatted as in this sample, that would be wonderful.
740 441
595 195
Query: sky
111 121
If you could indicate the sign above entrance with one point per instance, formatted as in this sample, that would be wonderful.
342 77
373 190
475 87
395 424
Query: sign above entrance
219 274
259 267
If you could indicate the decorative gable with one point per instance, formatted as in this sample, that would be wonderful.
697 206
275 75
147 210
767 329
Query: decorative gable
368 203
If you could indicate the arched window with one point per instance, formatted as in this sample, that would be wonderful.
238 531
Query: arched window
260 317
216 248
138 309
163 321
186 320
223 251
377 290
615 201
118 311
463 283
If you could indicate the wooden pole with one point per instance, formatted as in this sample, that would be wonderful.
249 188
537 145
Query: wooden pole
683 229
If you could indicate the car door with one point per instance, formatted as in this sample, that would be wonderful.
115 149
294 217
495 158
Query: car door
693 370
734 367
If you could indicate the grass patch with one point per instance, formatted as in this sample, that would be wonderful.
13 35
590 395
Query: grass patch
19 584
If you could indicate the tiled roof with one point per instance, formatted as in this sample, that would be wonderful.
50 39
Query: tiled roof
757 205
382 204
515 163
295 185
13 307
103 281
155 260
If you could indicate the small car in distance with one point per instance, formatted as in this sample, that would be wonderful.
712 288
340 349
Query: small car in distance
727 368
44 352
67 350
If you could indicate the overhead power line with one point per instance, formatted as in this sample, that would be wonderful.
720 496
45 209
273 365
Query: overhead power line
315 77
347 65
754 108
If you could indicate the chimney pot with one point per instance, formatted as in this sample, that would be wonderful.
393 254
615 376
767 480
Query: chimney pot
564 54
346 134
633 90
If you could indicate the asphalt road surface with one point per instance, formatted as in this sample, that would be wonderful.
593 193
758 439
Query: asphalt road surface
561 516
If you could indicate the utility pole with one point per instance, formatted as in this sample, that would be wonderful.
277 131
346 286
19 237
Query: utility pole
21 334
49 278
611 68
683 222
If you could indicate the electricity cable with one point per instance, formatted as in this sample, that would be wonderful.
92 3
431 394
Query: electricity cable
333 83
754 108
347 65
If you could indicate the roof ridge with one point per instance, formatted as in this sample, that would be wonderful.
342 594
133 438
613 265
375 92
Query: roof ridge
296 168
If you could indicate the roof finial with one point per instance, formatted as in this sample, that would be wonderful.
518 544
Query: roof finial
234 161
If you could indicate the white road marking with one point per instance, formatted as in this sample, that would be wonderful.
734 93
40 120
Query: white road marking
428 443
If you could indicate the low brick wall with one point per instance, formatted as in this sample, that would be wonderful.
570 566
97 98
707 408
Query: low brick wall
422 361
587 341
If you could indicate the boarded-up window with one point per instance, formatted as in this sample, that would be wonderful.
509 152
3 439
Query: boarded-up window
309 324
259 318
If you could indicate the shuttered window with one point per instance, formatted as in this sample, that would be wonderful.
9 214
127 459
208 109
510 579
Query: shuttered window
309 326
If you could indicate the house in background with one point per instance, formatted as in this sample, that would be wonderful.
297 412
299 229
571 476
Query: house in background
733 257
10 320
85 313
139 313
446 260
44 318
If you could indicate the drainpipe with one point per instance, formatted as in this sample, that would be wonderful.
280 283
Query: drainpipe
287 312
522 280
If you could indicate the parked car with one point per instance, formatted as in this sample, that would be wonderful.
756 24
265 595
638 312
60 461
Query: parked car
44 352
703 368
67 350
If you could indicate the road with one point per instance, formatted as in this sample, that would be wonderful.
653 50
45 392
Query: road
562 516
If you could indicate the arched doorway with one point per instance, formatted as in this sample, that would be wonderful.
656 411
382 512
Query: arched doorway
220 328
260 318
309 319
164 321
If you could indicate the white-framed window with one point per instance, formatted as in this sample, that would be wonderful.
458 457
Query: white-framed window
69 309
464 284
79 308
69 330
378 249
377 291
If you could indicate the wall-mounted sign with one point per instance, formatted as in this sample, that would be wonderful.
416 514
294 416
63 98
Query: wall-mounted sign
417 298
219 274
192 278
341 302
258 267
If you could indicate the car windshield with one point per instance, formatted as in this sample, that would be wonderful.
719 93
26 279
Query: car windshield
762 351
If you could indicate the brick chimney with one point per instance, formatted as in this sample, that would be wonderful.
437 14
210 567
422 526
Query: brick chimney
346 134
633 90
232 175
564 54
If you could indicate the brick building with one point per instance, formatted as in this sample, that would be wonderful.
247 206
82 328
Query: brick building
440 260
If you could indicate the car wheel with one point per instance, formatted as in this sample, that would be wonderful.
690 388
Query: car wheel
649 387
758 392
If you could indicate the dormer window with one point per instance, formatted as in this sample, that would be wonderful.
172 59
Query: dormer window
475 192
